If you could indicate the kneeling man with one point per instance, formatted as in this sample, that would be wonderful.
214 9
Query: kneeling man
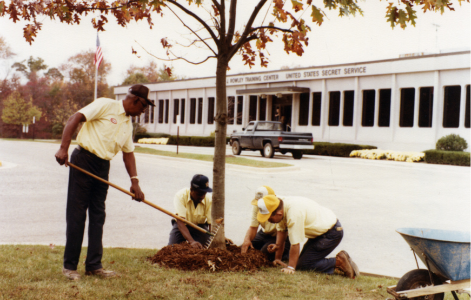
300 218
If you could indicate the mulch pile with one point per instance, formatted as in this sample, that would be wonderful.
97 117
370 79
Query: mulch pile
184 257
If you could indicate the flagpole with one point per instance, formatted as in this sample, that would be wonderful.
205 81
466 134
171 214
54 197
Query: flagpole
96 74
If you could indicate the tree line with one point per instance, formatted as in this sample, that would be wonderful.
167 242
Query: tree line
50 95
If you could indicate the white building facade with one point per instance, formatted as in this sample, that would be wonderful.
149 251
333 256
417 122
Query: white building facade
397 104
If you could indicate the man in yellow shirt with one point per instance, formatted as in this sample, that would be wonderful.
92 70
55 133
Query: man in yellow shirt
107 129
300 218
194 205
267 234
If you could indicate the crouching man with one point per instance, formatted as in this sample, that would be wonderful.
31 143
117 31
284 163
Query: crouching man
194 205
300 218
267 234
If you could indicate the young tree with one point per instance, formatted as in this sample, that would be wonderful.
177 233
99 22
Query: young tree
18 111
217 26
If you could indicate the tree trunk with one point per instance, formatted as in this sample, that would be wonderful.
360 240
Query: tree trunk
219 164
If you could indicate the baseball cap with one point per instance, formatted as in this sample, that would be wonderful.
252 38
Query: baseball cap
201 183
266 206
261 192
142 92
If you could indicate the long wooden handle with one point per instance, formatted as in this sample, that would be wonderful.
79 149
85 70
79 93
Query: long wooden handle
145 201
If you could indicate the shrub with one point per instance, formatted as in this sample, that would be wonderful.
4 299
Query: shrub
202 141
335 149
147 135
457 158
452 142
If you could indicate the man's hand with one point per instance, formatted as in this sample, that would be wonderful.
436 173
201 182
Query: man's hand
288 271
277 262
272 248
196 245
229 241
62 156
136 190
245 246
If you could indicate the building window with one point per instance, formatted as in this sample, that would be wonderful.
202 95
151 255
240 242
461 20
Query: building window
152 110
348 99
466 116
240 109
303 109
166 110
368 110
176 109
200 110
230 109
384 108
161 111
334 108
316 109
425 106
146 114
253 108
192 110
182 112
263 109
451 110
210 110
406 114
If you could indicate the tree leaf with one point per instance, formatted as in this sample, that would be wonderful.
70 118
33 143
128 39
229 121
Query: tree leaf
317 15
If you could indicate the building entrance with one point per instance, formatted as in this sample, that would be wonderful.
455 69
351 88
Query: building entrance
281 110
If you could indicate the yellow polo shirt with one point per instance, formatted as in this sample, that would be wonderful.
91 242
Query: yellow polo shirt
305 218
185 207
267 227
107 130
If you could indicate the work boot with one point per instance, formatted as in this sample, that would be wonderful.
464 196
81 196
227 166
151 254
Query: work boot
71 274
102 273
342 263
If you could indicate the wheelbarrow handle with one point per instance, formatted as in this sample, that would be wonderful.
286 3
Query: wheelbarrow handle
145 201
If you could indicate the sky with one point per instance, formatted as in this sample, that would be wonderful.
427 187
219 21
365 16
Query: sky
337 40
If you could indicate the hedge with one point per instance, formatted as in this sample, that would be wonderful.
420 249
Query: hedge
204 141
457 158
150 135
336 149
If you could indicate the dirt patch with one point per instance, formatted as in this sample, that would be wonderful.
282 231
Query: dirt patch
184 257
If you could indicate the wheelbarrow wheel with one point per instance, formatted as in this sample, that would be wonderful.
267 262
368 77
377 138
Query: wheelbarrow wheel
416 279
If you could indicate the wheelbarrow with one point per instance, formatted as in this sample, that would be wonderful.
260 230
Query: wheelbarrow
446 254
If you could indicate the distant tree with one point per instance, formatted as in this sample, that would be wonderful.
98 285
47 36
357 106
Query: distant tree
135 78
148 74
166 75
5 50
18 111
55 74
33 65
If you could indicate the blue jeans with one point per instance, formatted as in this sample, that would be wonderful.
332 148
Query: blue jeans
314 253
263 240
176 237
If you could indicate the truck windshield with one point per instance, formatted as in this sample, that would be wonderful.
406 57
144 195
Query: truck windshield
269 126
249 127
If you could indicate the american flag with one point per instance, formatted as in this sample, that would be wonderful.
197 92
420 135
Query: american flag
98 53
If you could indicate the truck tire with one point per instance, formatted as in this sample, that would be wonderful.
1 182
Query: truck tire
268 151
297 154
261 153
236 148
283 152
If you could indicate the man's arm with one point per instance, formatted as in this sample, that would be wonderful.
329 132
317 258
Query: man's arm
62 156
293 259
130 163
249 236
186 234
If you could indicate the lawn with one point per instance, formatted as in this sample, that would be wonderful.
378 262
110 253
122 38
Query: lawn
34 272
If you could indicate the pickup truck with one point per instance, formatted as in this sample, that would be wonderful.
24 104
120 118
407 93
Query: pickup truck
268 137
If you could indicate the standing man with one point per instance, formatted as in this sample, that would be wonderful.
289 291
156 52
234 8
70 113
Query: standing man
194 205
107 129
300 218
267 234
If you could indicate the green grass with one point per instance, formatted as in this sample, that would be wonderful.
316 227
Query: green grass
34 272
205 157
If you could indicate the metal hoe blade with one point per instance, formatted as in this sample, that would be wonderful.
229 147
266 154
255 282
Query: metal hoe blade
214 232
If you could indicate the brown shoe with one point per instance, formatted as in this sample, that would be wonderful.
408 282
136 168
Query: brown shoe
71 274
102 272
356 270
343 264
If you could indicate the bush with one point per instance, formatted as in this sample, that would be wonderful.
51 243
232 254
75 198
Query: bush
202 141
335 149
457 158
57 129
452 142
144 135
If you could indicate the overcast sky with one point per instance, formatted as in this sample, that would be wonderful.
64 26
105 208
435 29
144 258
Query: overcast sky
338 40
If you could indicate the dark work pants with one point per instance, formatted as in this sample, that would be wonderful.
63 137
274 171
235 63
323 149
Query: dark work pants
263 240
85 193
176 237
313 255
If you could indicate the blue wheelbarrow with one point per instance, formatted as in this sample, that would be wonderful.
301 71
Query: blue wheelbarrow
446 254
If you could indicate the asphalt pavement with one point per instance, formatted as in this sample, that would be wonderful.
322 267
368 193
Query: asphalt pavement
371 199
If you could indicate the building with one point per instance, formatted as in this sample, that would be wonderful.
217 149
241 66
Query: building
406 103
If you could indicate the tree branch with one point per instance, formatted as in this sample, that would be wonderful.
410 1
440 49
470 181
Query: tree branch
188 12
176 57
232 20
270 27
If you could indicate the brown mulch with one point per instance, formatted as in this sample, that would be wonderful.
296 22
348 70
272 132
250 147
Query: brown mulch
184 257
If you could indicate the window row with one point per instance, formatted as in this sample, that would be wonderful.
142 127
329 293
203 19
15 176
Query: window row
451 108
